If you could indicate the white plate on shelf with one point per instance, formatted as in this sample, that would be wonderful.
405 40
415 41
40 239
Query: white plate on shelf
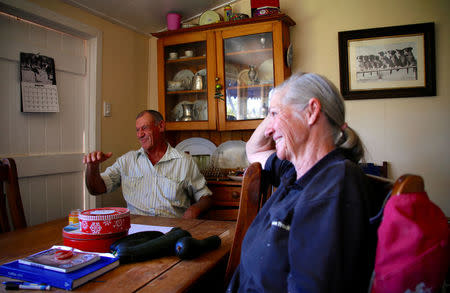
230 155
265 71
197 146
185 76
201 72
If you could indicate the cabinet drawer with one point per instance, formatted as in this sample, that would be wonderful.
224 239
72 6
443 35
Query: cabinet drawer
226 195
219 214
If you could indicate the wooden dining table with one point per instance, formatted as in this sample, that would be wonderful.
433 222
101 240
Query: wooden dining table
165 274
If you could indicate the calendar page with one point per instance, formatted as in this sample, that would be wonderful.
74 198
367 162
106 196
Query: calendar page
38 83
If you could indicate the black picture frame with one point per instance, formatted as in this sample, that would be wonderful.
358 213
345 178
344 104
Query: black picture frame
369 68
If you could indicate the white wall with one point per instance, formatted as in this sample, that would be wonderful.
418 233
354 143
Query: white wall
47 147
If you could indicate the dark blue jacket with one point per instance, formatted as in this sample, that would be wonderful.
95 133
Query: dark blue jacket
312 235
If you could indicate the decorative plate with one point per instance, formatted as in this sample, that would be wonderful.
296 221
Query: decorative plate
265 71
197 146
230 155
185 76
243 78
208 17
201 72
289 56
201 110
174 89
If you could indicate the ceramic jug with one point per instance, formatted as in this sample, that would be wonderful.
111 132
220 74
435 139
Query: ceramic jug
187 112
197 82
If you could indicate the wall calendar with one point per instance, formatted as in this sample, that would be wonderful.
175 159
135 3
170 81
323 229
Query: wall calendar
38 83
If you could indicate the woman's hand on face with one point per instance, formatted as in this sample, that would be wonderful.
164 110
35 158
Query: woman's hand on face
260 145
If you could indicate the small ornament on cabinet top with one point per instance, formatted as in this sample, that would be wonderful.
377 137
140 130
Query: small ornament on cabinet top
227 13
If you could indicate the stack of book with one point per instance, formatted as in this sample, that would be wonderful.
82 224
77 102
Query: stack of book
60 267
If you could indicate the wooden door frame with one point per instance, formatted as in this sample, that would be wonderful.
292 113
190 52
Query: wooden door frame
34 13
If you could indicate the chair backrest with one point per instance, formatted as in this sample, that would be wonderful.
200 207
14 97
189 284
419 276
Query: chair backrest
253 196
12 198
408 183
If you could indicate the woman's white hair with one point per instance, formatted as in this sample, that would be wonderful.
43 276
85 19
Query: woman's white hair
301 87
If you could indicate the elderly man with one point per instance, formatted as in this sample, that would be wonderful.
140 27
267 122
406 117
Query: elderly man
156 180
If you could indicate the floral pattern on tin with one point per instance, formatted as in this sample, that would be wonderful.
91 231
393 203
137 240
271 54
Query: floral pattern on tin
118 223
84 226
96 228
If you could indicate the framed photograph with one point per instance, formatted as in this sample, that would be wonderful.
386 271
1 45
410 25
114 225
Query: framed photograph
388 62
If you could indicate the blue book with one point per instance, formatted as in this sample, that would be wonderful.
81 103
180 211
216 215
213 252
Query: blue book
67 281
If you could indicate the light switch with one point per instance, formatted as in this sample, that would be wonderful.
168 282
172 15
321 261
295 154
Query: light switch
106 109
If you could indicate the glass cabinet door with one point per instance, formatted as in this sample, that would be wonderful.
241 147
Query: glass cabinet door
186 82
249 77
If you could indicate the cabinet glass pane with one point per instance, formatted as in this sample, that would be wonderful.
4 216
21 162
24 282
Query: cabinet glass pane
248 76
186 82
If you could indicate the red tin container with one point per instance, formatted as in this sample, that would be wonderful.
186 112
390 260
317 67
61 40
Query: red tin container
105 220
266 10
73 237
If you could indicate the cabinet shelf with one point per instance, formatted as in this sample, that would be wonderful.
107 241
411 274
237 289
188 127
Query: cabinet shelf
186 92
187 60
246 52
250 86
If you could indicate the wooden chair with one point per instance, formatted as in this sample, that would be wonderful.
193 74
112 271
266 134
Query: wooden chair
254 194
8 177
382 188
373 169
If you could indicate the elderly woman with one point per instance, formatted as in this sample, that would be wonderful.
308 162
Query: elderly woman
312 235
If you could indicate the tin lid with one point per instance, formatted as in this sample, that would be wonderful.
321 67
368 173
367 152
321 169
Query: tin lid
73 232
104 214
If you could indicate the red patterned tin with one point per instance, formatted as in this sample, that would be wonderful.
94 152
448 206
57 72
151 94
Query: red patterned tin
105 220
73 237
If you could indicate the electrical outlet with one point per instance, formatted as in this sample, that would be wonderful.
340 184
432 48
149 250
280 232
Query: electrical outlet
106 109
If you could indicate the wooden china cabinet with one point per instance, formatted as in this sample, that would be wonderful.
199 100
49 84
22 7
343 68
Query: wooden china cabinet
214 81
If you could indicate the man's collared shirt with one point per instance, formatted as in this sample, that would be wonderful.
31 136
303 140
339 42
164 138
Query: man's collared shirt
164 189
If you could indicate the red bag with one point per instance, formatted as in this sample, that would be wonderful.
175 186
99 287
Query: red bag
413 246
